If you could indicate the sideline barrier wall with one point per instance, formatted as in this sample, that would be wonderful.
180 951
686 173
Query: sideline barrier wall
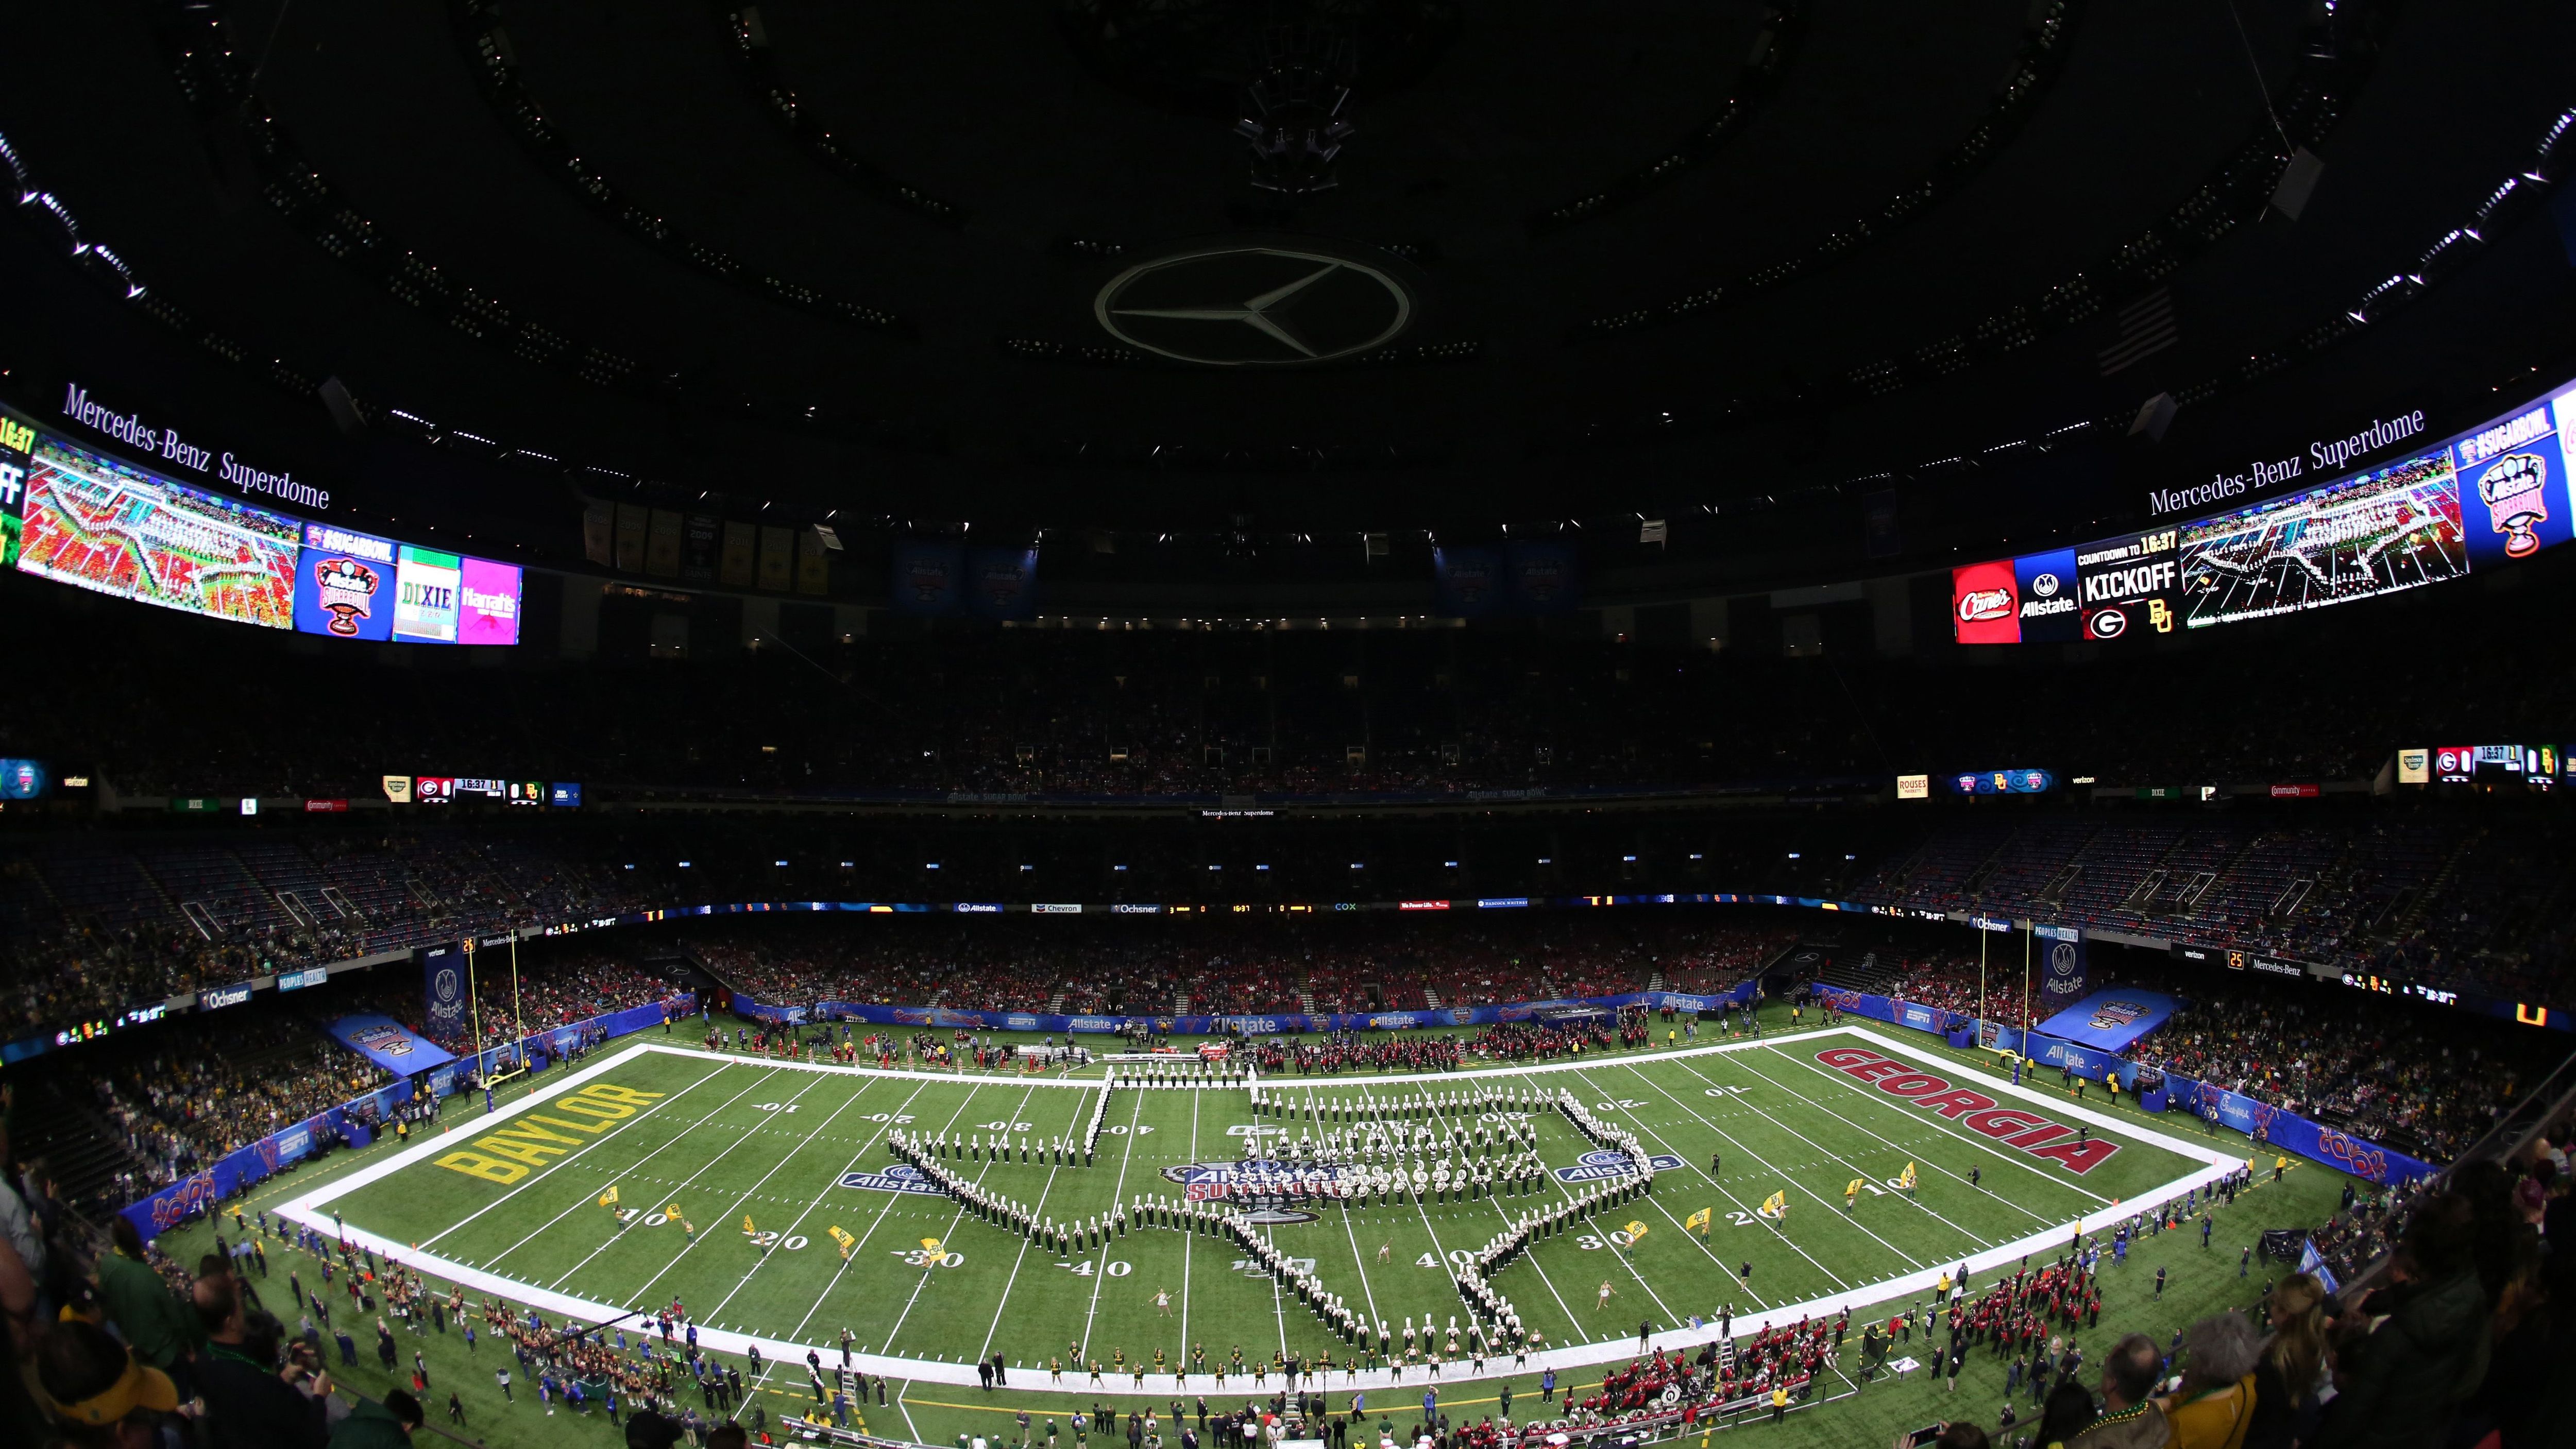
248 1166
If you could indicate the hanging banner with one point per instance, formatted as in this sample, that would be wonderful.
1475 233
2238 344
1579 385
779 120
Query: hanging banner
741 542
662 544
443 987
777 558
1468 582
634 520
813 563
599 532
928 578
700 536
1542 578
1001 583
2061 966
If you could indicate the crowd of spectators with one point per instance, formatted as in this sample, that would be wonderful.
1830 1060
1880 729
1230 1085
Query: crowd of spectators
1129 711
195 1090
2395 1072
101 921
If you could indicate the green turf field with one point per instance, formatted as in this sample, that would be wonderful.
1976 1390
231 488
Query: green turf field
511 1205
926 1409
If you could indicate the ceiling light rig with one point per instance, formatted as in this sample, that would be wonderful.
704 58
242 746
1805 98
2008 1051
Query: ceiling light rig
1297 110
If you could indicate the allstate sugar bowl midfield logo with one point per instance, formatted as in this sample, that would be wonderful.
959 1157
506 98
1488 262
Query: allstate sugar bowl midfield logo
1603 1165
1269 1191
899 1178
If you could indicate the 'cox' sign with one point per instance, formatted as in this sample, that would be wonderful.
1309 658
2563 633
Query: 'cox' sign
1976 1111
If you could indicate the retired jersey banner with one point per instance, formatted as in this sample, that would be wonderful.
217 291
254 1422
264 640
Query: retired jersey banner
389 1044
2111 1020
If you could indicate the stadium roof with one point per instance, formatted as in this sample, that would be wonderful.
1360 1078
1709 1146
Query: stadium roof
1018 264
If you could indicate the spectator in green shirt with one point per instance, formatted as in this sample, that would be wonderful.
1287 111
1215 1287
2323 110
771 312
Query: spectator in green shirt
163 1332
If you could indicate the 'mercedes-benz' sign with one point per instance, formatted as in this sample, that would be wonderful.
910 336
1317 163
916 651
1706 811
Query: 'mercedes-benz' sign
1255 305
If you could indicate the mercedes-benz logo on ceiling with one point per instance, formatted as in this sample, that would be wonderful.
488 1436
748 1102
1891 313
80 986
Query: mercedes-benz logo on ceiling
1254 306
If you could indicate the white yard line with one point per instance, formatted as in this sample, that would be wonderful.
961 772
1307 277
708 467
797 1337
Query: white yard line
1780 1121
1935 1120
891 1199
746 1195
1118 1194
1188 1240
1782 1237
954 1219
530 1103
309 1210
799 1220
1901 1255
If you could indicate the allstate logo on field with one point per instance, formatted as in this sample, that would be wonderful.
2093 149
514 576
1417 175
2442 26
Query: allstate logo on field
899 1178
1020 1021
1594 1166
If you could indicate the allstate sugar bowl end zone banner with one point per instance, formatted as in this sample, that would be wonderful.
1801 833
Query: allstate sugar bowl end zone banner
2112 1020
389 1044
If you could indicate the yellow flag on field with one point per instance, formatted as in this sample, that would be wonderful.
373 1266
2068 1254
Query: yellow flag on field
1698 1220
930 1245
673 1211
844 1239
1908 1178
608 1198
1776 1205
1852 1188
746 1224
1636 1231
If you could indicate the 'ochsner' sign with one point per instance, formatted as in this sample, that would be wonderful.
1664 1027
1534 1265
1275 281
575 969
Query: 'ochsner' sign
168 446
2323 456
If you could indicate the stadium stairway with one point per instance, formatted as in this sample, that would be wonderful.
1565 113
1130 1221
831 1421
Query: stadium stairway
80 1149
2413 919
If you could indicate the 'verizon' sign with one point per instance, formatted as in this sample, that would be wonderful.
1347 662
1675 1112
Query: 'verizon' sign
2012 1127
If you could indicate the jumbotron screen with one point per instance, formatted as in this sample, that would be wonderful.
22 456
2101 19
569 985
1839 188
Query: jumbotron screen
92 522
2483 500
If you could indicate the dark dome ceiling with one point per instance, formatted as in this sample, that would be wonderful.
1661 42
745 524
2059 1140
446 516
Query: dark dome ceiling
1650 254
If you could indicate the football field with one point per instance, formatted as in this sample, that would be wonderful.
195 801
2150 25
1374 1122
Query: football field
736 1181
